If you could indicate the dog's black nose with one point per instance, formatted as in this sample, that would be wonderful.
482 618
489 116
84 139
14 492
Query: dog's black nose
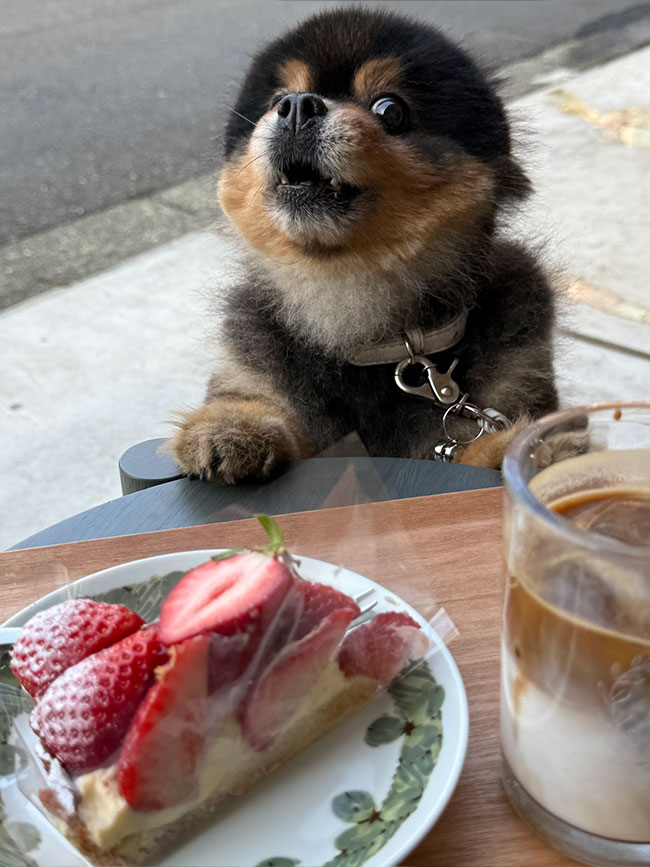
297 109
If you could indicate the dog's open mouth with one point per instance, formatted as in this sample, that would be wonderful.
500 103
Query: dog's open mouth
302 181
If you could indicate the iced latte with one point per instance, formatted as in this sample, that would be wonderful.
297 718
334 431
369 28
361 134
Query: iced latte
575 714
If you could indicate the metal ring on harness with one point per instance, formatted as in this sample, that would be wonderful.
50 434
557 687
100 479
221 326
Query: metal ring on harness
493 420
472 411
409 348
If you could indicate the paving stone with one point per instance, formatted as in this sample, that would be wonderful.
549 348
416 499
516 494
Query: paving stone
588 373
592 208
90 370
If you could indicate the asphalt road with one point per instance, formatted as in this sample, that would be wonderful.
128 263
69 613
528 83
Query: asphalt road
108 100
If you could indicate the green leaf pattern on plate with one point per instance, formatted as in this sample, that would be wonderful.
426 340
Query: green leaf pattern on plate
145 598
278 862
417 698
6 674
354 806
384 730
18 838
12 853
13 701
418 701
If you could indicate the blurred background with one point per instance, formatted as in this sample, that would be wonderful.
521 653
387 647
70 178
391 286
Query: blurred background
110 118
112 101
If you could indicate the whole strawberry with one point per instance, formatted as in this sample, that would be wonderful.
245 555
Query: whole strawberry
62 636
319 600
84 714
381 648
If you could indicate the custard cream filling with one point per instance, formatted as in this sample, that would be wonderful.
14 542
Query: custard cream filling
107 816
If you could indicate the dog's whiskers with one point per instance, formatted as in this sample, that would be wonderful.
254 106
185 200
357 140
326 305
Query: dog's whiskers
258 157
260 189
239 114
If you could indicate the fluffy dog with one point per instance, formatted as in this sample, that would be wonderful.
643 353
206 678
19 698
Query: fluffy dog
367 163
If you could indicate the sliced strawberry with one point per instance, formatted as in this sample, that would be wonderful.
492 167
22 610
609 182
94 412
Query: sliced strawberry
84 714
62 636
381 648
282 685
239 656
319 601
239 594
285 625
158 762
228 658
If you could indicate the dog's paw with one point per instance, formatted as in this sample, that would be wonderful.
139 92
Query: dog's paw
489 449
227 440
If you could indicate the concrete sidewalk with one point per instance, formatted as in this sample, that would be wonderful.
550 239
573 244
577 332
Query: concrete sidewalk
93 368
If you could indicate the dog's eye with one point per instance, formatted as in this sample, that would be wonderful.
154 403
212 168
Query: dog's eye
392 112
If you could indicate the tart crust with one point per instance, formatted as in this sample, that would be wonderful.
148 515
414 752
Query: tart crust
143 846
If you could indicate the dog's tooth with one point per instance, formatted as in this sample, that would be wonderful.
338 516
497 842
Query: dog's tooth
336 185
283 178
307 183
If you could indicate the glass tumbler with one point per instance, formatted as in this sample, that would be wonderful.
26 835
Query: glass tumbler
575 652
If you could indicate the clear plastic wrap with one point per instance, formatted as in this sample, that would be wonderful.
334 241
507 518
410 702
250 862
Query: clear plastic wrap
227 707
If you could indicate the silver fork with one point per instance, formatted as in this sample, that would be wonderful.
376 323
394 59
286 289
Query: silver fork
366 603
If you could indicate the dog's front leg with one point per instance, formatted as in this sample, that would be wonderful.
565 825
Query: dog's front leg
489 449
237 433
520 385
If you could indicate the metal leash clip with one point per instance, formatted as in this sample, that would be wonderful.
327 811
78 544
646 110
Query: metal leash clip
489 420
438 385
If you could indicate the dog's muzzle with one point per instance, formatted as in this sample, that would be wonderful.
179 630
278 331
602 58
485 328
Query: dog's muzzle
299 110
298 156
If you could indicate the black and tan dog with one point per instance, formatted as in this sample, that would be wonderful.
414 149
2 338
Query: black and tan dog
366 168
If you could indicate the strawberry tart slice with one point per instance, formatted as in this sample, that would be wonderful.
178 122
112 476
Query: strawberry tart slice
146 729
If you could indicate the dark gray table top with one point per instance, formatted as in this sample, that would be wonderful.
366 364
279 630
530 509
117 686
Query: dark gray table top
300 486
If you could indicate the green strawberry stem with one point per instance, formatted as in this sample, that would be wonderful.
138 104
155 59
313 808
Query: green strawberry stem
226 555
275 548
276 539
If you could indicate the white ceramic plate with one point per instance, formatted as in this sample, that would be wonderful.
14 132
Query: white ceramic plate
375 800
